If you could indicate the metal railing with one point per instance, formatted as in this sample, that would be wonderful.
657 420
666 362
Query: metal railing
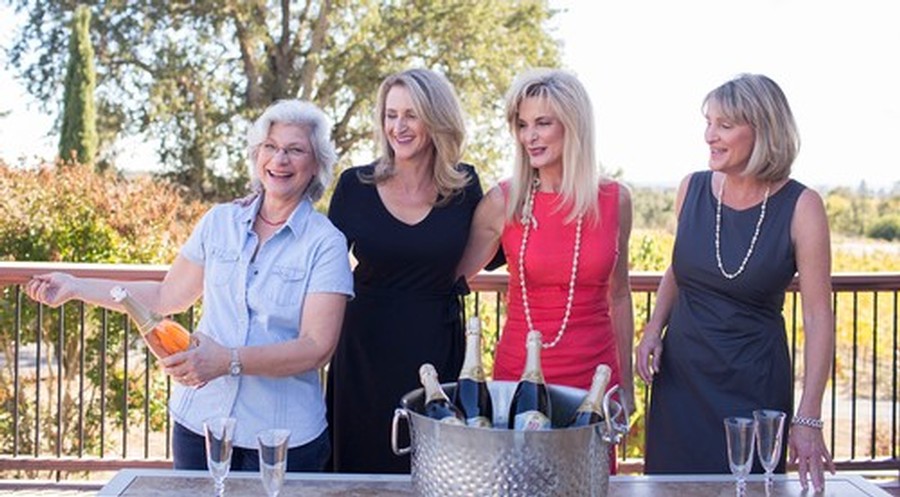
80 393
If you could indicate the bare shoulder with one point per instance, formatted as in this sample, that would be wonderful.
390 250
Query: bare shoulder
624 190
810 201
682 191
494 199
809 212
810 221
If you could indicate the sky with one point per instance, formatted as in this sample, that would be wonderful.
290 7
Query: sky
648 64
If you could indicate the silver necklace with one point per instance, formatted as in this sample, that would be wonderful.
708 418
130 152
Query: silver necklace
527 220
762 215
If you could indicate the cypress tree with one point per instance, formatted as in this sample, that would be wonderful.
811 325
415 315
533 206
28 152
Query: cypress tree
78 137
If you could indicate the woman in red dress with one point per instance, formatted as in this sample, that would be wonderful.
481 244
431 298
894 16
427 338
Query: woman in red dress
564 232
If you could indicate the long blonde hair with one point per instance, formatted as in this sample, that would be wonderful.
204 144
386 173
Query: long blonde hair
436 104
569 100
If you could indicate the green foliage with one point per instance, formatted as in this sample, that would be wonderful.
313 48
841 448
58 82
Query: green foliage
853 213
650 250
886 227
73 214
193 73
78 137
654 208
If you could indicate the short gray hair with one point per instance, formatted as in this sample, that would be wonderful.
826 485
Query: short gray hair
305 114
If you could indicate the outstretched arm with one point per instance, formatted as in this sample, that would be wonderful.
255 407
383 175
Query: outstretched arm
181 287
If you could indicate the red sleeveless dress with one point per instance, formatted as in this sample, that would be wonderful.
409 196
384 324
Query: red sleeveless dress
588 339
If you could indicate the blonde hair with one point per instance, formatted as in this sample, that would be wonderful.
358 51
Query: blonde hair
568 99
756 100
436 104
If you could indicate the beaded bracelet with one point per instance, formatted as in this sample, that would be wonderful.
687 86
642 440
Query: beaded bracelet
808 422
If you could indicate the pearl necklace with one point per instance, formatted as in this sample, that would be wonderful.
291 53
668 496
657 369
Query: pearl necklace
527 220
762 215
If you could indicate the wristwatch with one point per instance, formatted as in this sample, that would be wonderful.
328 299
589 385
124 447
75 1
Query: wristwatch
234 369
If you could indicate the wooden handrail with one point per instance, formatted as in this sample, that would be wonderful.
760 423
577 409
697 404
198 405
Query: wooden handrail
17 273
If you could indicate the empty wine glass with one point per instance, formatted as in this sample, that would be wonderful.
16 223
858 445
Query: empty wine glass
219 434
739 434
273 448
769 433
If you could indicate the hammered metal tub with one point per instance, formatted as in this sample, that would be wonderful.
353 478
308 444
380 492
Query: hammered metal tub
451 460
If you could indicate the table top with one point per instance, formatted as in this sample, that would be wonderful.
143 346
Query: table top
175 483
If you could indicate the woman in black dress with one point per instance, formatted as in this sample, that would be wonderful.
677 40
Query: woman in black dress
406 217
744 229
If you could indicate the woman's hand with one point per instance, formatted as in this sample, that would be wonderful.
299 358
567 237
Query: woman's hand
200 364
626 395
648 354
809 452
53 289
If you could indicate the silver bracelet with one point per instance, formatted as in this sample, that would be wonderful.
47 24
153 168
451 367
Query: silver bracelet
808 422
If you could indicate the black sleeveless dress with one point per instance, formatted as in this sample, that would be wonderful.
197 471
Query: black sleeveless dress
406 312
725 350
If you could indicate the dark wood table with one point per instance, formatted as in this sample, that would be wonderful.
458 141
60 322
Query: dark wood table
172 483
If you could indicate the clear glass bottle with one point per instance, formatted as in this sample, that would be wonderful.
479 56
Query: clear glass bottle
437 404
471 395
591 409
162 335
530 407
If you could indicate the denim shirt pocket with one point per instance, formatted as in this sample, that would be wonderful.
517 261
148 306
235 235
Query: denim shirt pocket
287 285
222 265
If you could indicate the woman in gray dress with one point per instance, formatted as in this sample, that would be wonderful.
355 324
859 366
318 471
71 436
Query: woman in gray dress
744 230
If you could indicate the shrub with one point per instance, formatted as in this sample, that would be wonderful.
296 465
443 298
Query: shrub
73 214
885 228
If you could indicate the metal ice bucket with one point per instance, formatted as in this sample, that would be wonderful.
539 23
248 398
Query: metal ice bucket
451 460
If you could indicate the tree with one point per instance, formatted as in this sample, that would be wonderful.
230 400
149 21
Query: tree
78 136
192 73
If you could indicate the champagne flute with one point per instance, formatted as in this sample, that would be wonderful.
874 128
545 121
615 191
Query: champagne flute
739 434
219 434
273 449
769 433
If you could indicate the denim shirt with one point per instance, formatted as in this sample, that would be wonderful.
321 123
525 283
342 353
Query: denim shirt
259 301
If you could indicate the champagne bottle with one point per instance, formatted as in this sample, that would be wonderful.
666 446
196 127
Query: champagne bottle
591 409
437 404
472 396
163 336
530 407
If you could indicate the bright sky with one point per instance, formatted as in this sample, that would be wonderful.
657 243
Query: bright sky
649 63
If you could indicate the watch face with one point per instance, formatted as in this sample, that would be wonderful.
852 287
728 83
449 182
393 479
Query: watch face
235 369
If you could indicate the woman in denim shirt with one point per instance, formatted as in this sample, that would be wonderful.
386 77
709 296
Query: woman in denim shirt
275 279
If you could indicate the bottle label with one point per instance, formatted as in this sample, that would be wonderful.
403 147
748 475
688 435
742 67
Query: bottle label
531 420
480 422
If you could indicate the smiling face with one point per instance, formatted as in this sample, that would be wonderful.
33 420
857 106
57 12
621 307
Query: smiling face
541 133
285 162
730 143
404 128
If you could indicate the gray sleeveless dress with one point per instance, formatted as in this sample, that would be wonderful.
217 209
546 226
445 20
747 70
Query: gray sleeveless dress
725 350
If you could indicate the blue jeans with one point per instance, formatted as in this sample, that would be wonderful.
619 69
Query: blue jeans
189 452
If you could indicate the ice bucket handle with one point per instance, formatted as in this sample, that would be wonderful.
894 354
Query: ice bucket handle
616 417
399 413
